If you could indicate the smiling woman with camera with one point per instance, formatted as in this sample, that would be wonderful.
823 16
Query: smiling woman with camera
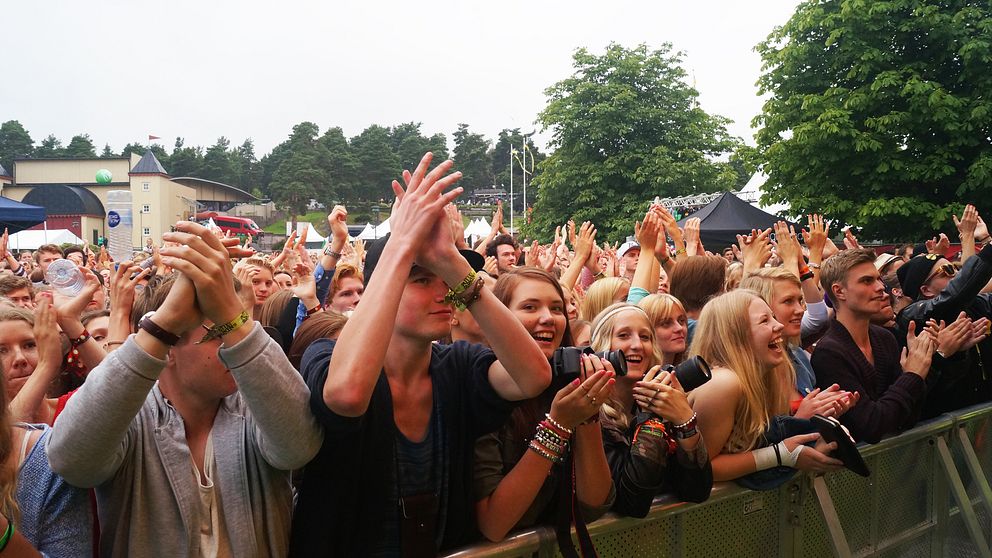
521 472
649 429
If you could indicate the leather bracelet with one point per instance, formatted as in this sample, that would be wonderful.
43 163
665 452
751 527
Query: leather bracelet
314 310
156 331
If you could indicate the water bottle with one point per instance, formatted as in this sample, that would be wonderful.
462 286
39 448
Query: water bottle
64 276
120 225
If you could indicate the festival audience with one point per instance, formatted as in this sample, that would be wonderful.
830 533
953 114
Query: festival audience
439 411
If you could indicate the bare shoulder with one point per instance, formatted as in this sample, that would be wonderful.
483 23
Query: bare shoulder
723 386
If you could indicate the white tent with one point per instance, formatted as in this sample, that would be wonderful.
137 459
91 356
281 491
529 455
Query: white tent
312 235
382 230
30 240
368 233
478 227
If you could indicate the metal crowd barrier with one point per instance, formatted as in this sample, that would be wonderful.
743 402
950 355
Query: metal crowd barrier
928 495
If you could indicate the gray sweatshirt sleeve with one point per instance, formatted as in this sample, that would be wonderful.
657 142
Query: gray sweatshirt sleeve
278 400
816 318
90 439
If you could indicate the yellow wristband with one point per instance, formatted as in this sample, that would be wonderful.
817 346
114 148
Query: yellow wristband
223 329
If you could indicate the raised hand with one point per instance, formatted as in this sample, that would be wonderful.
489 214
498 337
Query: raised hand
755 249
337 221
419 206
647 231
918 353
787 245
851 241
938 245
203 259
968 223
457 225
691 236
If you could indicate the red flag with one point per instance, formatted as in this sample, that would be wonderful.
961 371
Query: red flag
151 137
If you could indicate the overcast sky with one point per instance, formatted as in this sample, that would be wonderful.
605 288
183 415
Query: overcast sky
122 69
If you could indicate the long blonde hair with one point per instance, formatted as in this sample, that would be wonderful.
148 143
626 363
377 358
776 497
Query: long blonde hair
723 338
763 282
602 336
661 307
9 468
600 295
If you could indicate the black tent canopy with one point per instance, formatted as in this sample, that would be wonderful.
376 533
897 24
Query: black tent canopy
17 216
726 217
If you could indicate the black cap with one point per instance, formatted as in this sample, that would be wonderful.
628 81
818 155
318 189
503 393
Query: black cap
374 250
915 272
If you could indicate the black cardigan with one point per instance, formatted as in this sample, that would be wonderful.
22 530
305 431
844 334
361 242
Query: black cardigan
891 399
345 485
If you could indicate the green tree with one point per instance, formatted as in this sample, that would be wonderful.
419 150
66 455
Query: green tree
15 142
49 148
378 163
185 161
302 172
107 152
217 162
471 157
626 127
133 147
245 165
879 114
80 146
341 166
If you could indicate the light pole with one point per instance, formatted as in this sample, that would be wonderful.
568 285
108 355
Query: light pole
375 211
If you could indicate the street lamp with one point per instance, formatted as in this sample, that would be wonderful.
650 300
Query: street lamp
375 211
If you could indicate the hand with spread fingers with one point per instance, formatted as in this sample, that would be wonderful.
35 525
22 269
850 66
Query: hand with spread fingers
582 398
205 261
419 211
661 394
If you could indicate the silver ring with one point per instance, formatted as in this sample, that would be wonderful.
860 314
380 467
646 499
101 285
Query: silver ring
593 400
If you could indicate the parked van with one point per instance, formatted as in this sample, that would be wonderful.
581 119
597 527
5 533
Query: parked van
235 225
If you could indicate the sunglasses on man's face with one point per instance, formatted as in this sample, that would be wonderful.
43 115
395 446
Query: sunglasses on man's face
947 269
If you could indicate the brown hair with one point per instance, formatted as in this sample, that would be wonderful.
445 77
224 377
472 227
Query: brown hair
322 325
151 297
50 248
341 272
696 280
8 473
525 416
11 283
835 269
273 307
14 313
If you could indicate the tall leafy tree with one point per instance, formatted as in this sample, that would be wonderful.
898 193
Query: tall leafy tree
378 163
245 165
342 167
15 142
217 162
626 127
49 148
302 172
80 146
471 157
107 152
185 161
879 112
134 147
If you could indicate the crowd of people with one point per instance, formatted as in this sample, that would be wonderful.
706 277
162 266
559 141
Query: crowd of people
418 393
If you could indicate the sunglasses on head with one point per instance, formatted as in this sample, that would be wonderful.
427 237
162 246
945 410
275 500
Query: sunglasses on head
947 269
